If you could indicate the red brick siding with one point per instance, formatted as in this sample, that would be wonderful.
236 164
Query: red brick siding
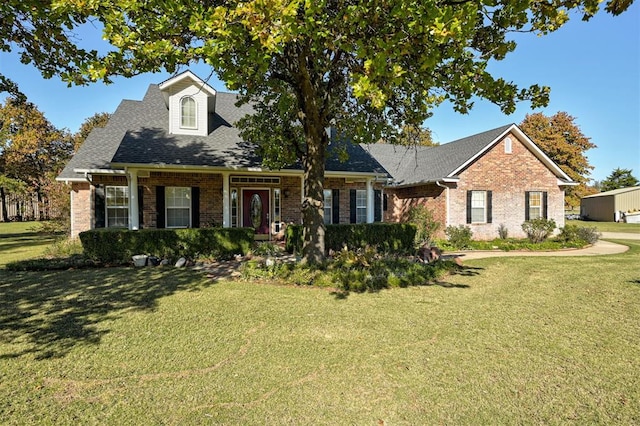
401 200
508 176
81 208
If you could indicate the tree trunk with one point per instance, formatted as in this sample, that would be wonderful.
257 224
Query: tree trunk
313 204
3 200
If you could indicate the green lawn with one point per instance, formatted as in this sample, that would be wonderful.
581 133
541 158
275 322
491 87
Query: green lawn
507 341
20 240
633 228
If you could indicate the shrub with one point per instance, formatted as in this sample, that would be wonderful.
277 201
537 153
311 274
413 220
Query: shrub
386 237
539 229
575 233
426 226
459 236
266 249
118 246
503 232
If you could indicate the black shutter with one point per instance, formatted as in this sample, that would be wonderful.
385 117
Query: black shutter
99 207
352 206
469 206
526 205
160 207
385 202
377 205
544 205
140 206
335 206
195 207
489 206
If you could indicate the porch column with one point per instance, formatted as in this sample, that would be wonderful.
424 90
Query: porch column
226 209
134 221
370 201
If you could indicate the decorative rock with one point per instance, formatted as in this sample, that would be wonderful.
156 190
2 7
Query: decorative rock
181 262
269 262
164 262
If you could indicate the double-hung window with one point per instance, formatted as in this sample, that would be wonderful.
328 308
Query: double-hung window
479 206
535 205
188 113
328 206
178 205
361 206
117 205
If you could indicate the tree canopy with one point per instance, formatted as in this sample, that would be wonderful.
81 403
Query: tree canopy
31 148
563 141
99 119
619 178
366 68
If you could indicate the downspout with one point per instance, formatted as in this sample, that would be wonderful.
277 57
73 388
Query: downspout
441 185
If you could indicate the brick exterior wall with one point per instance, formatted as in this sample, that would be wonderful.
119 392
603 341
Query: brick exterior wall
508 176
81 208
400 201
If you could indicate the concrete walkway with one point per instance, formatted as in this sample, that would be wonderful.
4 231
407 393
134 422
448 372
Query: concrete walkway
600 248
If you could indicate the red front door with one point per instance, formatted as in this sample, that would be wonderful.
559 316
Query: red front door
255 210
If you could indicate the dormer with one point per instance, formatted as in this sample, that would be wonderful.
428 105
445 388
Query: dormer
191 103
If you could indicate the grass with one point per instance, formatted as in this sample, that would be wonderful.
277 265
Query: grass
506 341
632 228
21 240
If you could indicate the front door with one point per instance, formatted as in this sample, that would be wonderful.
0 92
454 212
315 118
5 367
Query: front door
255 210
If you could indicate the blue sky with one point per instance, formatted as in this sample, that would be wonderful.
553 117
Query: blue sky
593 69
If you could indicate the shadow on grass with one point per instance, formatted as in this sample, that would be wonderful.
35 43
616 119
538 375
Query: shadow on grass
48 313
466 271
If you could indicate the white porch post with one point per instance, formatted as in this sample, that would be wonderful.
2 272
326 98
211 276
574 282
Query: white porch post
134 221
370 201
226 209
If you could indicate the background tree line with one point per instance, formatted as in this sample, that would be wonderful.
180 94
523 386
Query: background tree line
32 153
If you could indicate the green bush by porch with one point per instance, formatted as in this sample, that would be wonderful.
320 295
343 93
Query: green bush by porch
386 237
118 246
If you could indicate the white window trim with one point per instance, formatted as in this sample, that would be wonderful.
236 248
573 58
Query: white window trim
195 113
539 207
107 207
277 209
167 207
508 146
328 205
484 206
359 207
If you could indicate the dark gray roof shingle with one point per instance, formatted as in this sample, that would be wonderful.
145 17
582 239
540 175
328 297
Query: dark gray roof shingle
138 134
418 164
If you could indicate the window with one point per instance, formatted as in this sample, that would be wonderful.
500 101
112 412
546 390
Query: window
535 203
178 205
478 206
234 208
117 205
328 206
276 210
507 146
188 113
361 206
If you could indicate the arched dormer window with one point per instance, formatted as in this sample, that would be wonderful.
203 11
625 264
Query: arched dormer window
188 113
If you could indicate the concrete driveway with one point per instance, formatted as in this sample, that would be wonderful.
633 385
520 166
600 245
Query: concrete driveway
600 248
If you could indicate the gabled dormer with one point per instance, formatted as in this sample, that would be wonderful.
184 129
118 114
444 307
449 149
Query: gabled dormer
191 103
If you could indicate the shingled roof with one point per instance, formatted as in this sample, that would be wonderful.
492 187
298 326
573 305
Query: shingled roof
138 134
410 165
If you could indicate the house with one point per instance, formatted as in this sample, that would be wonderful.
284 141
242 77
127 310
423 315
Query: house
176 160
612 205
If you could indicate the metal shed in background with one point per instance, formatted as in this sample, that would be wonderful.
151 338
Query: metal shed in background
606 206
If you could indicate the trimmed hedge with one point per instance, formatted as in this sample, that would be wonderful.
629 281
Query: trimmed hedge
386 237
117 246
